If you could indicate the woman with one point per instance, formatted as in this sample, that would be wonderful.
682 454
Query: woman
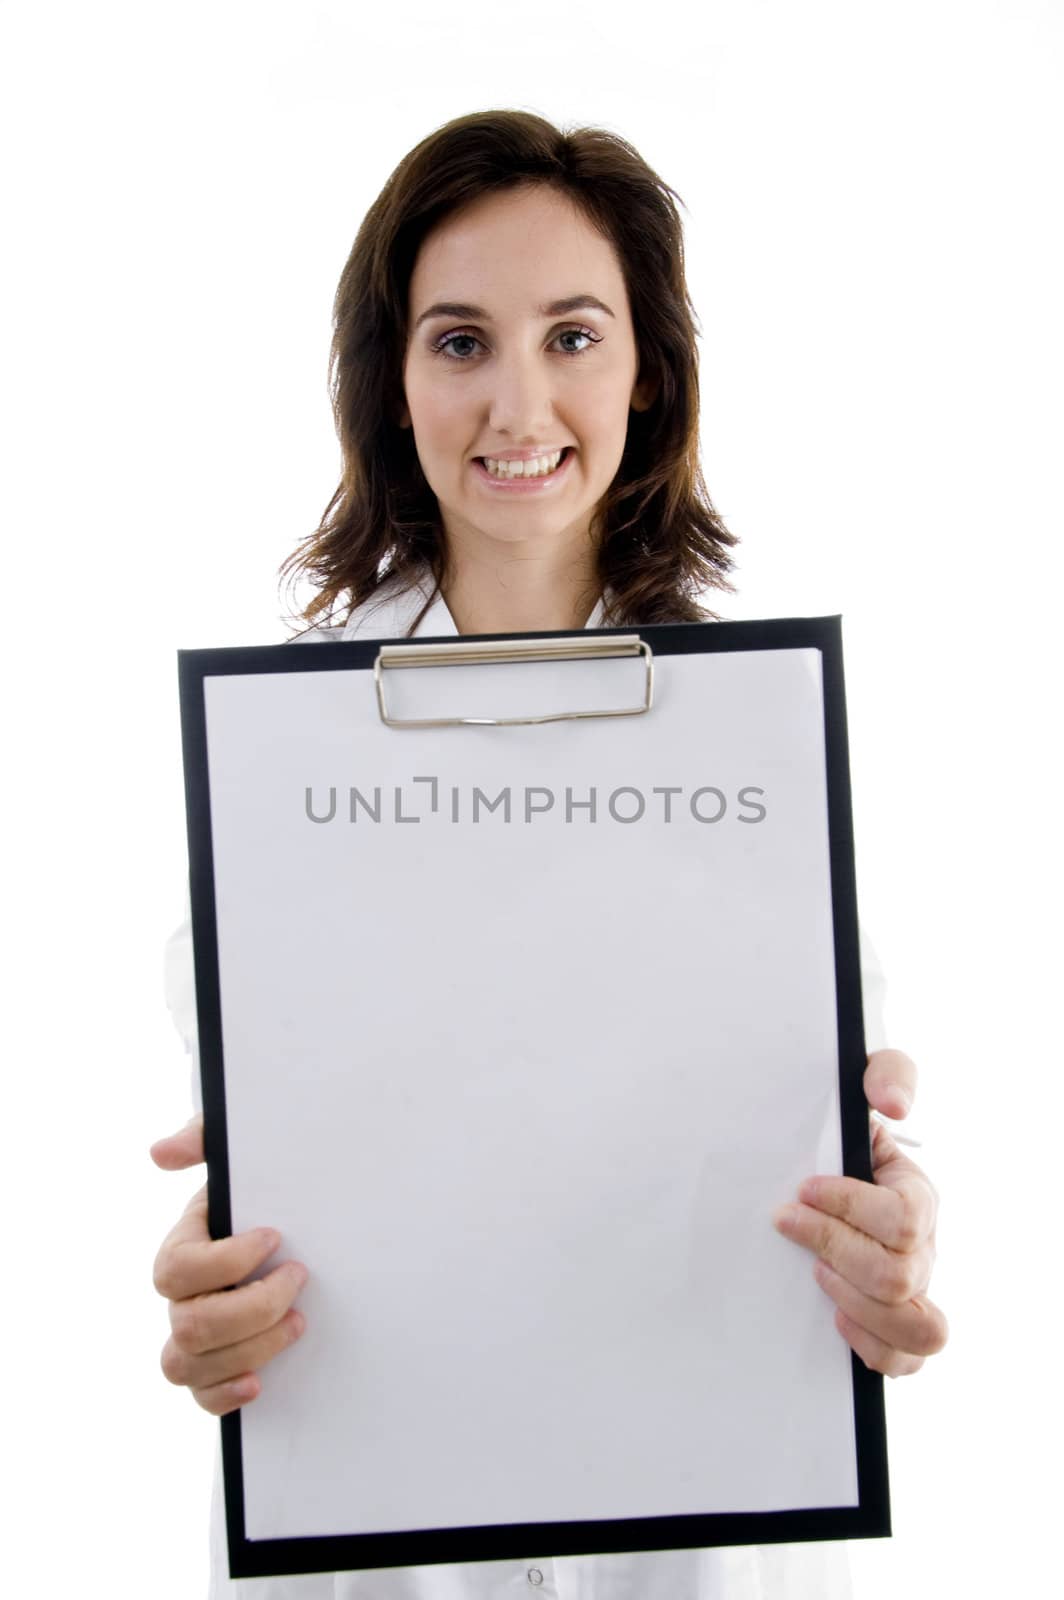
515 304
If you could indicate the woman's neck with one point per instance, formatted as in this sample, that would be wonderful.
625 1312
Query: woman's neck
520 595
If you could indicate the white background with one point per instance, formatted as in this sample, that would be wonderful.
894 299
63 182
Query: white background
874 244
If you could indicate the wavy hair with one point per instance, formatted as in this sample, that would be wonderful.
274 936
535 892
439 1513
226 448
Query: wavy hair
661 541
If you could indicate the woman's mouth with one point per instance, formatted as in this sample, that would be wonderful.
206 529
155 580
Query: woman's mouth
500 477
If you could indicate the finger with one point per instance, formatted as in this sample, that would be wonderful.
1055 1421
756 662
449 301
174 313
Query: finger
899 1214
916 1328
890 1082
884 1275
223 1366
890 1167
185 1270
180 1150
221 1398
876 1355
190 1262
214 1321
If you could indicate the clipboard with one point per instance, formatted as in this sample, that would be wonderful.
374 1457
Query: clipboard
527 987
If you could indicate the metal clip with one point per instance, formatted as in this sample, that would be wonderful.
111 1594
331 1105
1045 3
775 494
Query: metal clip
462 653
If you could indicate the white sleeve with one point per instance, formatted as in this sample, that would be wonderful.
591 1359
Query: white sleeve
179 987
873 993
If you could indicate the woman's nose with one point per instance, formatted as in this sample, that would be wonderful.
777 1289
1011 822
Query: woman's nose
521 396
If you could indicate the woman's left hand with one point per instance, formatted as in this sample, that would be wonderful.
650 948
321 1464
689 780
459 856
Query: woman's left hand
875 1242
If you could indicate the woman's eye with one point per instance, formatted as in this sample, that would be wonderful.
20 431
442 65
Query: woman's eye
578 333
441 345
454 338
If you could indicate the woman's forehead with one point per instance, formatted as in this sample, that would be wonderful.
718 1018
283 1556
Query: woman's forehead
515 253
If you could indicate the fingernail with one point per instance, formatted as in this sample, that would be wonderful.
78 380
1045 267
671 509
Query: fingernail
296 1324
270 1239
785 1218
821 1272
245 1388
902 1096
298 1272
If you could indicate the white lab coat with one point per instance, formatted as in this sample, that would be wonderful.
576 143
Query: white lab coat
817 1571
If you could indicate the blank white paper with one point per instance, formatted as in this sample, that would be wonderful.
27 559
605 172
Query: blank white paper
523 1094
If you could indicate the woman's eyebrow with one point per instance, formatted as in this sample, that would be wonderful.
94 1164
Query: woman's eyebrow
557 308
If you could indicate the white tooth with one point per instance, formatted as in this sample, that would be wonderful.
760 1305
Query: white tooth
539 468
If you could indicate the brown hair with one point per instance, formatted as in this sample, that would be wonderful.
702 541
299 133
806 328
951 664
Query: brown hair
662 541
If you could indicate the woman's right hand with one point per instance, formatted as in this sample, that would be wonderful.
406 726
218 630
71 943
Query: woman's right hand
220 1335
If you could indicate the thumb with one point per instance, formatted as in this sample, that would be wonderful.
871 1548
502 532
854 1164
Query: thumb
180 1150
890 1083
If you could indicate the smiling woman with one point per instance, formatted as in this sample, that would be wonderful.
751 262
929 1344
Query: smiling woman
520 439
515 387
516 294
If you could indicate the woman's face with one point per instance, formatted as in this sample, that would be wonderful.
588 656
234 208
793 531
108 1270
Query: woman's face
504 373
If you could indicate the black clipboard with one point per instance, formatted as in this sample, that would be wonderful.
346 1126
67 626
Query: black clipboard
868 1512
